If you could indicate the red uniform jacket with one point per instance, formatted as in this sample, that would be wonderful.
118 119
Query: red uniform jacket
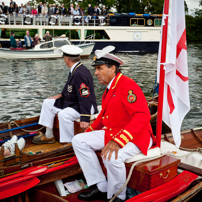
125 116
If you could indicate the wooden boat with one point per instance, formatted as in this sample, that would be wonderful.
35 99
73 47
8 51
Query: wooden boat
35 154
47 191
50 49
56 155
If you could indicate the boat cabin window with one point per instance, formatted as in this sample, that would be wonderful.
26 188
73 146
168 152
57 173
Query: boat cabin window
70 33
47 45
96 34
137 22
157 22
61 43
19 33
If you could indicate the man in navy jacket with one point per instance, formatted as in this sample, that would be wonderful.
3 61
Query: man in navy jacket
77 100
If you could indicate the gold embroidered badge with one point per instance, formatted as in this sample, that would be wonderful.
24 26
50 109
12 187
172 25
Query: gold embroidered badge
131 97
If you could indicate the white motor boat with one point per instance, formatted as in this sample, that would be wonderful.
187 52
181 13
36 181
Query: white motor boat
49 49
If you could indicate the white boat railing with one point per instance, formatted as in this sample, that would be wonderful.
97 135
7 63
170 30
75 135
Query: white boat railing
88 39
54 20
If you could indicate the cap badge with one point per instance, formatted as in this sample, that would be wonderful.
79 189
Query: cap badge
69 88
131 97
94 58
84 90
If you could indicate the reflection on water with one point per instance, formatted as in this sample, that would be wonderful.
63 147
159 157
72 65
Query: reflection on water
24 84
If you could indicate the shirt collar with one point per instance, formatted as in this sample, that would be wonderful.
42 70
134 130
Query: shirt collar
74 65
110 83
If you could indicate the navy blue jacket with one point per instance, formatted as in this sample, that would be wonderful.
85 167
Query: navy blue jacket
78 93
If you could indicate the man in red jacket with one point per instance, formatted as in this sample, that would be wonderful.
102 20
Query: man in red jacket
121 130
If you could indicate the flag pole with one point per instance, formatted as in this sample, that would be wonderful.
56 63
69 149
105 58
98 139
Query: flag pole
162 71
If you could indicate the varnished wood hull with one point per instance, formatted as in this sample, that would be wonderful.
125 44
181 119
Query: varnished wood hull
46 189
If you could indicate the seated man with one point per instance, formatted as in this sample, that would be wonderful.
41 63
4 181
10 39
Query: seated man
77 100
121 130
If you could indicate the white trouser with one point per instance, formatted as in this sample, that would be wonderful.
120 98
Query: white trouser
85 145
66 118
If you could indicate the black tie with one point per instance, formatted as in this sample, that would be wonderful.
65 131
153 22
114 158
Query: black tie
107 91
69 74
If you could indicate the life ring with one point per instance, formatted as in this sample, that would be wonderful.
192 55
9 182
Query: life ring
3 21
28 22
52 22
102 20
88 18
77 20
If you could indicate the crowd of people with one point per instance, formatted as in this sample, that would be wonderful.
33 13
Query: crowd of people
50 9
29 42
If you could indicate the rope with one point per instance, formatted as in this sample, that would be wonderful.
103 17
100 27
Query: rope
199 149
28 131
130 173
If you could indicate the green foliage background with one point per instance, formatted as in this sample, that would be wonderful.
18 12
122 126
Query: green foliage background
193 23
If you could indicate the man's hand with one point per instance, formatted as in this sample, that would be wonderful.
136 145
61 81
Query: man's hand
84 125
110 147
55 97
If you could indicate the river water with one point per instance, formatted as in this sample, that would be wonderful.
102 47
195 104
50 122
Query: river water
24 84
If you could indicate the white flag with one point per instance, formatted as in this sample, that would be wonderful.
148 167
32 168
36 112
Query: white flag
176 102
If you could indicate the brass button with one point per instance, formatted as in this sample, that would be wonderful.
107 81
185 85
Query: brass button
110 129
111 134
107 117
105 127
103 117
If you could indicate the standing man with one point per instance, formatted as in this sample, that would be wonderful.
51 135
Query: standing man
50 10
28 41
63 10
90 10
104 11
121 130
13 41
4 8
77 100
44 10
40 8
47 36
29 8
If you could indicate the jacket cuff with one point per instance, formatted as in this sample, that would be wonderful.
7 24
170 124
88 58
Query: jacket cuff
89 129
123 138
85 118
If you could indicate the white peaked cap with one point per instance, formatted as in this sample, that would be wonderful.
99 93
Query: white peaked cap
104 55
71 50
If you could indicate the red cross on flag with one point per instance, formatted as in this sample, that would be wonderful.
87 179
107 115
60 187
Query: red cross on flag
172 70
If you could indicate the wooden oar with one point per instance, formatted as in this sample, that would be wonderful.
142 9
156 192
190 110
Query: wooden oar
34 172
17 128
168 190
25 180
27 171
14 189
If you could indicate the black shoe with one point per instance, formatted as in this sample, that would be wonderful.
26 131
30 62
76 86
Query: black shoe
94 194
118 200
